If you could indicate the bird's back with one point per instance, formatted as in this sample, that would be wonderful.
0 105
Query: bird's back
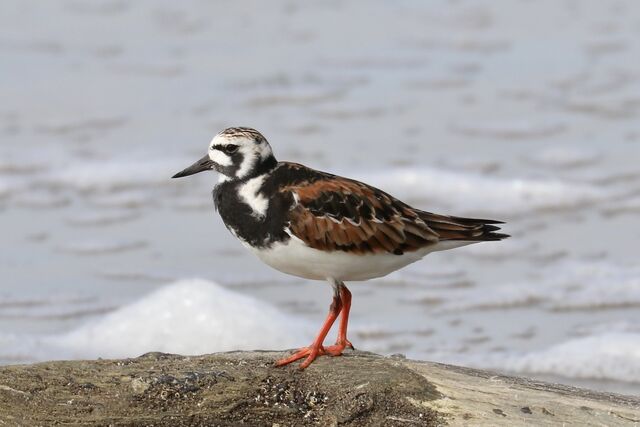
331 212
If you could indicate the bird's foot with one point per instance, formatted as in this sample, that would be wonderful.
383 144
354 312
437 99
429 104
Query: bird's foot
311 353
338 347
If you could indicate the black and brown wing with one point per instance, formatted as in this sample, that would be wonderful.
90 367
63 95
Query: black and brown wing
333 213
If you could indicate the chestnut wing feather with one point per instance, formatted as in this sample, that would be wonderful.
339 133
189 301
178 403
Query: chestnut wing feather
340 214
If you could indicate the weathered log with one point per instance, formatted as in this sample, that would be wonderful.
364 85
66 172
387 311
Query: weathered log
243 388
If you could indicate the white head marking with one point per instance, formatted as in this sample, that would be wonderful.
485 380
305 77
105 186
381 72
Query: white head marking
251 148
248 161
216 155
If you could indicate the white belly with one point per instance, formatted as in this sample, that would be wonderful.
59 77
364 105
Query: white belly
295 258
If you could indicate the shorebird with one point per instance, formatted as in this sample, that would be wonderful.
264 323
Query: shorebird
321 226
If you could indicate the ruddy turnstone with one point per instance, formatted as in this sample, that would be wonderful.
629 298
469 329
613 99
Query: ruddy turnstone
320 226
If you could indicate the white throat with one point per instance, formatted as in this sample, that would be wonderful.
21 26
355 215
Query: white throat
249 194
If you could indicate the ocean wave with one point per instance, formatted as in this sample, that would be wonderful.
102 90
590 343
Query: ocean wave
568 286
124 183
510 129
604 356
555 157
187 317
466 192
97 247
107 175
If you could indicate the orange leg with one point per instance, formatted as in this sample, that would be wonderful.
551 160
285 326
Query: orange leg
342 342
316 349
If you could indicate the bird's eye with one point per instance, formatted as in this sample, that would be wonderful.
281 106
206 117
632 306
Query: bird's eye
230 148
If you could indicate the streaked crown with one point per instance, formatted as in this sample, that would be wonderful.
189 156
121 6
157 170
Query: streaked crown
237 153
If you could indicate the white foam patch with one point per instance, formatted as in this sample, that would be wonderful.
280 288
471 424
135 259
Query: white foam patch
53 307
607 356
465 192
565 157
187 317
38 199
626 206
114 174
505 249
510 129
612 326
97 247
129 199
571 285
90 219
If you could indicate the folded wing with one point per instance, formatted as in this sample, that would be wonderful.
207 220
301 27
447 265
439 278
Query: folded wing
335 213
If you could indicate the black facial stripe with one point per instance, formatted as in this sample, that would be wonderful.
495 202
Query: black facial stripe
236 162
224 148
237 158
258 167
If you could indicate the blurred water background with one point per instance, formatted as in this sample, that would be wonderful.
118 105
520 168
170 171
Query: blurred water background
516 110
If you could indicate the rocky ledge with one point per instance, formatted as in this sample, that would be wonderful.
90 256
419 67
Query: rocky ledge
243 388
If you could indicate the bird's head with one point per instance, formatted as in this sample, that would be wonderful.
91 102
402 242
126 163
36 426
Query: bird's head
237 153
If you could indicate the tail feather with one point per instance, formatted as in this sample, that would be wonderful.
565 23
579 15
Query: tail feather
466 229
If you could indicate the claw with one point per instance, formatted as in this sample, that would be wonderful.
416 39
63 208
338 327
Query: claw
338 348
311 353
334 350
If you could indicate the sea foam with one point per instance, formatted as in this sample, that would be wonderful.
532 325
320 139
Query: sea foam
608 355
569 285
466 191
187 317
123 183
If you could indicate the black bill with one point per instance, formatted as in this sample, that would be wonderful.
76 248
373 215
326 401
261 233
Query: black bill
204 164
